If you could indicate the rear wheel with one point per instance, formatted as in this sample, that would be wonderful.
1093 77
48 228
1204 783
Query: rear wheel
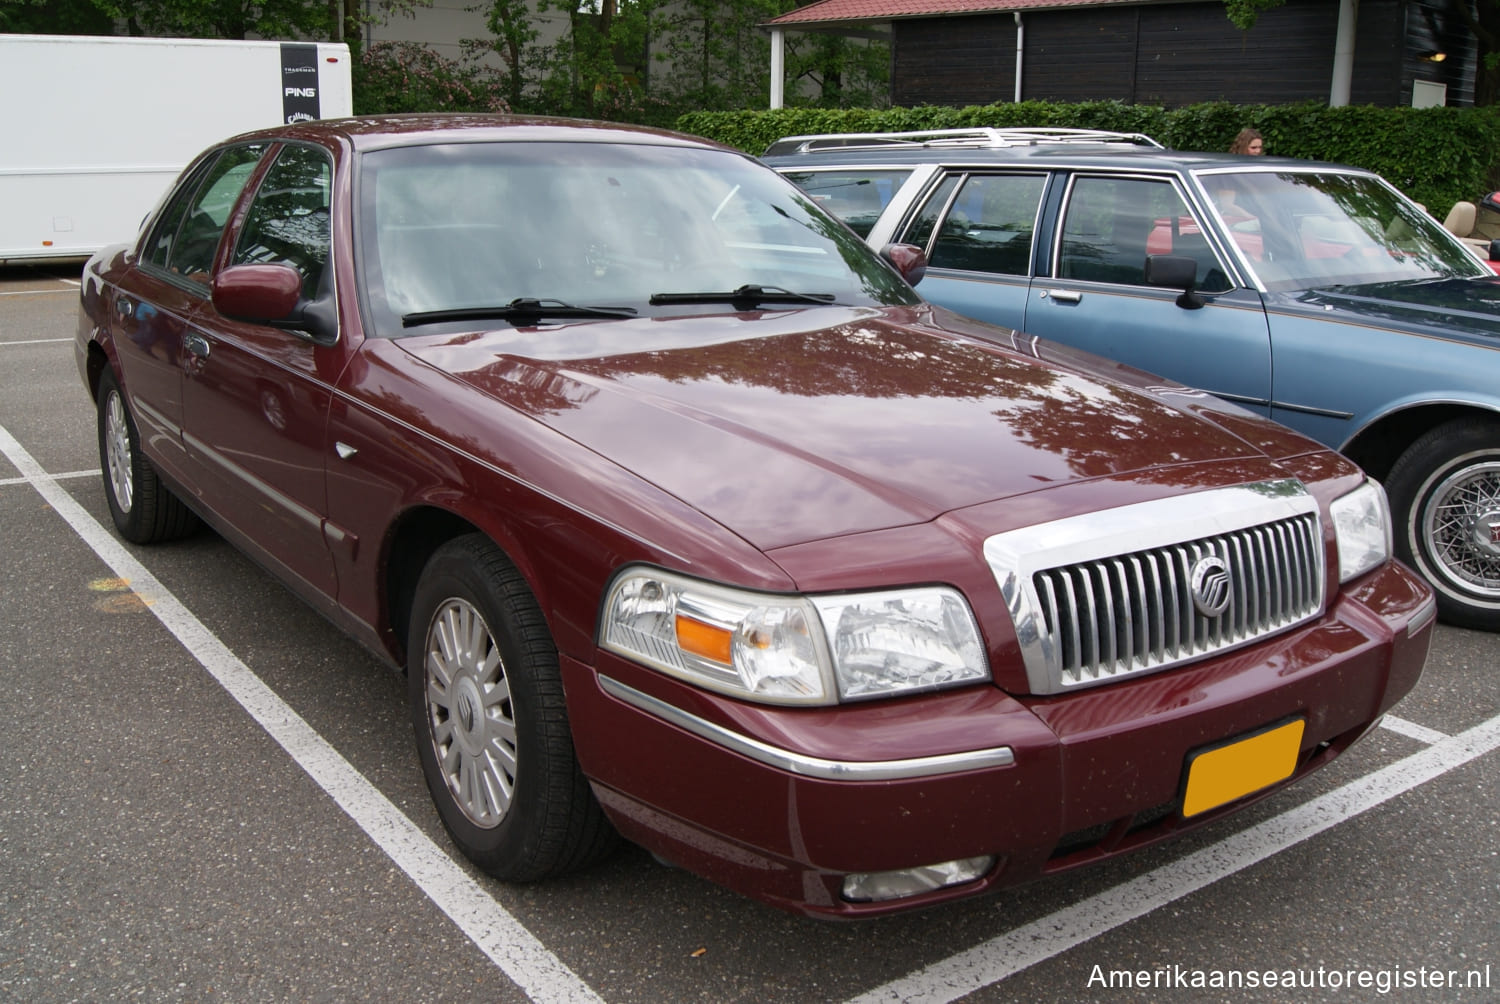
491 723
1445 499
143 509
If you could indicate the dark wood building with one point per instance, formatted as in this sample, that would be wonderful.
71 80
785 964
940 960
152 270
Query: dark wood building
952 52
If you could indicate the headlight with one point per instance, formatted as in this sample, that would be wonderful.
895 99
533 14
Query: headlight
794 649
1362 526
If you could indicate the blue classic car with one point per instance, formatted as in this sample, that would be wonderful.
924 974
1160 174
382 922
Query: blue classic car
1315 294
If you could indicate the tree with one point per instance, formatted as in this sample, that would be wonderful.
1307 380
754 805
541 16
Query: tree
53 17
225 18
512 36
1244 13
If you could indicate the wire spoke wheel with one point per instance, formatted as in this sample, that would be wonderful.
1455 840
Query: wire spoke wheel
1462 522
1445 500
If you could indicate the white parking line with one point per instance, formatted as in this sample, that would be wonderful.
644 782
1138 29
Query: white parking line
50 477
1412 730
1023 947
539 973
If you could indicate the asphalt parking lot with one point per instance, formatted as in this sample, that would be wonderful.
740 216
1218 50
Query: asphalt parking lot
208 793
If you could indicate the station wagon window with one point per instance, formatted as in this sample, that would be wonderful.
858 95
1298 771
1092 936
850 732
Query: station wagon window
187 234
989 224
856 197
1112 224
288 223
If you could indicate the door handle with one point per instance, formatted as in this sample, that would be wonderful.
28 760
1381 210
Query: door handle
1064 295
197 345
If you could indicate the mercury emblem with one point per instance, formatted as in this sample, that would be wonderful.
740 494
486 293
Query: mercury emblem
1210 585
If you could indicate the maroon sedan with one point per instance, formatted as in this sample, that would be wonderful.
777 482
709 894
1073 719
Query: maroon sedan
689 521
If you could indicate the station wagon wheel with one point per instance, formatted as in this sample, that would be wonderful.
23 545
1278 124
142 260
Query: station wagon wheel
142 508
1445 499
492 732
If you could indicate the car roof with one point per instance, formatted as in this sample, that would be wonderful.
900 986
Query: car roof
1011 147
375 132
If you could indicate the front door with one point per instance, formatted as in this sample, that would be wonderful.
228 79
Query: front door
1094 294
256 400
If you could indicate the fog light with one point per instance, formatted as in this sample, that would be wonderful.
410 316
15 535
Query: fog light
874 886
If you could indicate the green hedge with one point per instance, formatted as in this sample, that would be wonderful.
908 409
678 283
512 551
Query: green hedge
1437 156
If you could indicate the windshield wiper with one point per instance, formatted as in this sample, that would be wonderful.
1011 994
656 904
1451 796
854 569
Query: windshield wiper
522 311
746 297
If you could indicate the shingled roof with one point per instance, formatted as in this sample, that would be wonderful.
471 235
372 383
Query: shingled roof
827 12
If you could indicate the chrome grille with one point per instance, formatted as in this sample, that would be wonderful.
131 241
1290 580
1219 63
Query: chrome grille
1111 594
1136 611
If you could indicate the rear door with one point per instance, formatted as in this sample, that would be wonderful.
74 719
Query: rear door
978 229
153 318
1093 293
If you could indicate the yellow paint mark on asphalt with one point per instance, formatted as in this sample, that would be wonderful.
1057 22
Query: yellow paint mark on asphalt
119 598
121 603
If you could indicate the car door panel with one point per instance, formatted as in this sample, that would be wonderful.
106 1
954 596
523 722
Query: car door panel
148 325
978 230
996 299
256 398
1097 298
1222 347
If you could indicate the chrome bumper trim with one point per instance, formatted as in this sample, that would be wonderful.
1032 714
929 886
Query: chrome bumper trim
808 766
1424 616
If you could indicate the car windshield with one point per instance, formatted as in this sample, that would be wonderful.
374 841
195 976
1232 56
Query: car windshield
1316 229
528 232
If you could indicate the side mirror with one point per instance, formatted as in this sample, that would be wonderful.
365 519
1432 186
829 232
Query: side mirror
272 295
1495 250
908 260
1175 272
257 293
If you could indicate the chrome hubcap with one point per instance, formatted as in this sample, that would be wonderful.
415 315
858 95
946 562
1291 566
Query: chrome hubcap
1463 525
117 452
469 710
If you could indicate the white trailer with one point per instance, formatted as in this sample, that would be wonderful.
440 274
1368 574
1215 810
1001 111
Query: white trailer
94 129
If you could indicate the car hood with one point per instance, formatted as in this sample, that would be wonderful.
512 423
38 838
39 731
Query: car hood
792 426
1456 308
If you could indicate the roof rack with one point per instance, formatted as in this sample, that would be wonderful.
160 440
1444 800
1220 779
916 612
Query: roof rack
938 138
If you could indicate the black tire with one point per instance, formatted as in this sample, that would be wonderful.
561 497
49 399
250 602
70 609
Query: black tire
1445 502
494 740
143 509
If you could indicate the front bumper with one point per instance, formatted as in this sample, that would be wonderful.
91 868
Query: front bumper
781 804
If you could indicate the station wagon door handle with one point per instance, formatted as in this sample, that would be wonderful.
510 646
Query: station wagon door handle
197 345
1064 295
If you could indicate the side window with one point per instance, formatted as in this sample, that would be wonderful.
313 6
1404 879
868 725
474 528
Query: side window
856 197
1112 224
288 223
924 224
989 225
164 233
188 233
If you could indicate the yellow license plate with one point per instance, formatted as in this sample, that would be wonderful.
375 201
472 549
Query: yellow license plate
1219 776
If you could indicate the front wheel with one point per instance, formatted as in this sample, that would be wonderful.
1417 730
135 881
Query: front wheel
491 723
1445 499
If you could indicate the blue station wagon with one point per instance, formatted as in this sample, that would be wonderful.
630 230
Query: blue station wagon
1314 294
